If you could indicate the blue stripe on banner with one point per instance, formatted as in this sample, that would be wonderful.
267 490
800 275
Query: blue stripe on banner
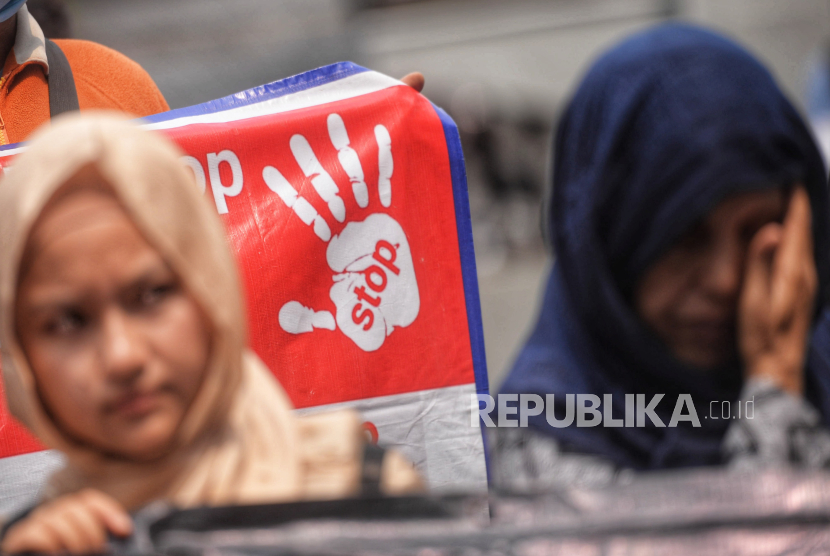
10 146
287 86
469 274
466 249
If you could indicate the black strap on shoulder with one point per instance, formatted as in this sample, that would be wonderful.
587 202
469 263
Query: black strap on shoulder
370 473
63 97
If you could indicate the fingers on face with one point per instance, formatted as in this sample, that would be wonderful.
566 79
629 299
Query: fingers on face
795 274
758 272
797 242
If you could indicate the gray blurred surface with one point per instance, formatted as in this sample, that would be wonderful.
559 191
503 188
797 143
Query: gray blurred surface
679 513
509 300
493 64
23 480
199 50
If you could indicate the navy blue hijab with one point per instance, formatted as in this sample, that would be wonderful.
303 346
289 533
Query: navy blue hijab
662 128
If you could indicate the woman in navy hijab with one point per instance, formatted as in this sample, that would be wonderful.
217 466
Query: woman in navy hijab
689 221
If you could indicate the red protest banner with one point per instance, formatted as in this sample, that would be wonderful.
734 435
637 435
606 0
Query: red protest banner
345 201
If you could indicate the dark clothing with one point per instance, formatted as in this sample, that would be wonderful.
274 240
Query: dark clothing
777 430
662 128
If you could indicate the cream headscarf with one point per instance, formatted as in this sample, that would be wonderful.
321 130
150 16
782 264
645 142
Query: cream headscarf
239 441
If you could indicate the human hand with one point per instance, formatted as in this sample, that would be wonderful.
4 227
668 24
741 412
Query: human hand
776 303
374 288
415 80
76 524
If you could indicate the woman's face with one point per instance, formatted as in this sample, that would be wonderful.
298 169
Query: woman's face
117 347
689 296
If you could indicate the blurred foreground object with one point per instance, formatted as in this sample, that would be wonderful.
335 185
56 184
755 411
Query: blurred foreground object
52 16
699 512
817 97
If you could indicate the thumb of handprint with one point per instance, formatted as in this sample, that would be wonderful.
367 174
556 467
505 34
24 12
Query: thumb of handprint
374 290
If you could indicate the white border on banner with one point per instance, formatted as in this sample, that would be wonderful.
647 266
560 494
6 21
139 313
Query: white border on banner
353 86
432 429
360 84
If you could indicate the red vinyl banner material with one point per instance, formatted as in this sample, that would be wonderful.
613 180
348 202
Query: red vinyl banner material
344 196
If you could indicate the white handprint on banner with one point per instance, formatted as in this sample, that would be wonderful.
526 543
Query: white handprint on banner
374 290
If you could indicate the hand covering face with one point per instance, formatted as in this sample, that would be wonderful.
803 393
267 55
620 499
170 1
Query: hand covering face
663 127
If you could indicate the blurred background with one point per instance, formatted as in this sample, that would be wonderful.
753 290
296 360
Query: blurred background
501 68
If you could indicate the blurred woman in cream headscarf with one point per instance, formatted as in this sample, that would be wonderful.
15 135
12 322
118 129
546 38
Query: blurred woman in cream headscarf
124 347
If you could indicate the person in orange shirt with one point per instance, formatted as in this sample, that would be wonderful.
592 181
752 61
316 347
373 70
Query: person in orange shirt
103 78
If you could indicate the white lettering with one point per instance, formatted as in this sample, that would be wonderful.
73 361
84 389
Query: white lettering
585 404
629 410
526 411
483 413
550 414
678 415
608 416
643 410
504 411
221 191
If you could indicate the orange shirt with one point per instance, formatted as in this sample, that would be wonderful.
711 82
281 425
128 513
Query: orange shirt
104 79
